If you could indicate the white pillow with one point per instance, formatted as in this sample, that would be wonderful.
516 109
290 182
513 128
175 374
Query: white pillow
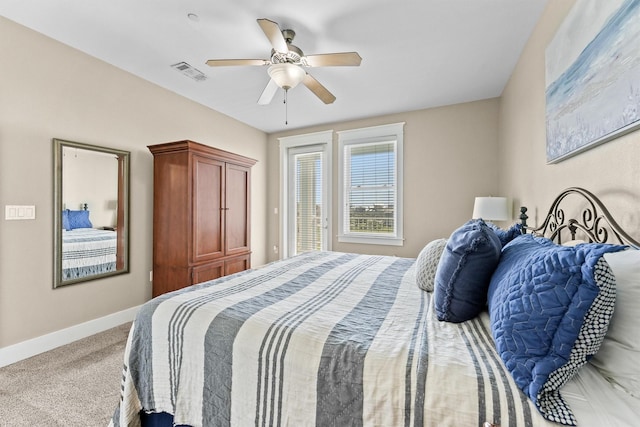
619 356
427 264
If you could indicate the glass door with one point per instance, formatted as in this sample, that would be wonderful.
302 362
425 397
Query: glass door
307 200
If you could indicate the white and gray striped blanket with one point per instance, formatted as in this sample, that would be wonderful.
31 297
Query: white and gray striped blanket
88 251
320 339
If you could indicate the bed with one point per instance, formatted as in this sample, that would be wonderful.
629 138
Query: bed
340 339
86 251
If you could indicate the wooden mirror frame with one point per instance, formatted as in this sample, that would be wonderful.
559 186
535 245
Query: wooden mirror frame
122 211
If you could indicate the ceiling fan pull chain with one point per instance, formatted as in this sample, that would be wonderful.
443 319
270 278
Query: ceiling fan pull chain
286 108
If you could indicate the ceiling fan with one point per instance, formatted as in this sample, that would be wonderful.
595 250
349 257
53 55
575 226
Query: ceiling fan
287 63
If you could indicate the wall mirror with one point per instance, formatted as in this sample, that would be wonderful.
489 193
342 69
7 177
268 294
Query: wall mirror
91 212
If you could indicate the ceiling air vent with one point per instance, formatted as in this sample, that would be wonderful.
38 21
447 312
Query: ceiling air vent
189 71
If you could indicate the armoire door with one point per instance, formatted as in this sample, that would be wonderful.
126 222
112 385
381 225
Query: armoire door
209 271
237 189
208 209
237 264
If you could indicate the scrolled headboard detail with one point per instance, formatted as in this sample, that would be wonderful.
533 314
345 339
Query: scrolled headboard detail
595 224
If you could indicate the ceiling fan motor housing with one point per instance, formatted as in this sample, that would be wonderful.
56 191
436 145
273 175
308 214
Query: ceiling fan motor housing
293 56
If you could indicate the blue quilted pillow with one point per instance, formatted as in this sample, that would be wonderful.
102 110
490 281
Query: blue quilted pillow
79 219
550 307
464 271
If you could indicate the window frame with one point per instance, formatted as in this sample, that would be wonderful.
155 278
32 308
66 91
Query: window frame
364 136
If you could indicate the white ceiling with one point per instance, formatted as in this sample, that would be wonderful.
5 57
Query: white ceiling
415 53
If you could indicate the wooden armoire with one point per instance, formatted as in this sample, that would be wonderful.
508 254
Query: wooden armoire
201 214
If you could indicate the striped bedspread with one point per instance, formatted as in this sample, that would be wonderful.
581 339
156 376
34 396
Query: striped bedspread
324 339
87 251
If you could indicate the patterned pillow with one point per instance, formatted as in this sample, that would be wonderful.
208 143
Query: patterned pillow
464 272
427 264
550 307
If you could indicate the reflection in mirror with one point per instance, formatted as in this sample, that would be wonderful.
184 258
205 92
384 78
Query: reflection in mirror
91 212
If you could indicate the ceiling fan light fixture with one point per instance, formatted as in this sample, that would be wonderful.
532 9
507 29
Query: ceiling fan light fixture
286 75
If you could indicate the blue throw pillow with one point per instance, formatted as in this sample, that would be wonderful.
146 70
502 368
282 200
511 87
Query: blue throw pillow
65 220
464 272
507 235
550 307
79 219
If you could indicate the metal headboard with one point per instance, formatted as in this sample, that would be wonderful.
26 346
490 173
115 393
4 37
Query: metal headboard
596 225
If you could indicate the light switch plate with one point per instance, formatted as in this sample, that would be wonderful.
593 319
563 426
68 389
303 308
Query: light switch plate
16 212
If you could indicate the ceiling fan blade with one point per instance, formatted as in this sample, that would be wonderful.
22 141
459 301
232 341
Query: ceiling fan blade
234 62
274 34
319 90
268 93
334 59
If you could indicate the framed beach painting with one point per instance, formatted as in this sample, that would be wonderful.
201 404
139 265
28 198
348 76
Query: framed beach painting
593 77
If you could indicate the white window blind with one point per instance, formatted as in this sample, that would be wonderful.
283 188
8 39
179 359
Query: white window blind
308 191
370 187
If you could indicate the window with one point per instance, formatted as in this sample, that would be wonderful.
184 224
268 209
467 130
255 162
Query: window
371 185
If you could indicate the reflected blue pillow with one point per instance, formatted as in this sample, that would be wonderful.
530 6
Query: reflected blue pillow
65 220
464 271
78 219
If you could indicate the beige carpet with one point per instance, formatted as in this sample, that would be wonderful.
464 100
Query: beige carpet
74 385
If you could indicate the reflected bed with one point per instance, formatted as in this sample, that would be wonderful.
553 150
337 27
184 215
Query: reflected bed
87 252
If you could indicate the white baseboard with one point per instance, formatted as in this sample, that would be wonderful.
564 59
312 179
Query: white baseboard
16 352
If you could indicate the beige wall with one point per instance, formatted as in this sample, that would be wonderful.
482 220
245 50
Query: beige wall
93 188
48 90
611 171
452 154
449 158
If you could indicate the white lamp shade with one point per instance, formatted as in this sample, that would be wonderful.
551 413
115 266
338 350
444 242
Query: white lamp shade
491 208
287 76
